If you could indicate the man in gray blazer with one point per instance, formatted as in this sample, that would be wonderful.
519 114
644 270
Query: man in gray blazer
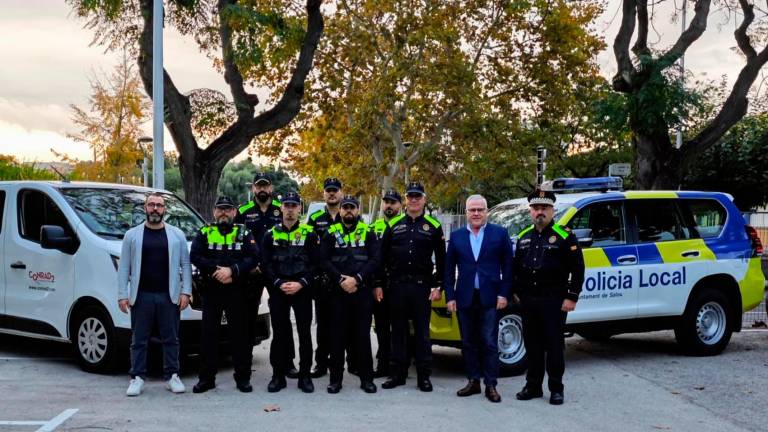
155 282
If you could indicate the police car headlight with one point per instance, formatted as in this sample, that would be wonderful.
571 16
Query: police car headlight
115 261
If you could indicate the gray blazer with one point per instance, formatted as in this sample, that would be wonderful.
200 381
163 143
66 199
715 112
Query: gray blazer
129 269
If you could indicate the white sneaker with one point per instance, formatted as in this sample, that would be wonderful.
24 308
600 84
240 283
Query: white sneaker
135 387
175 385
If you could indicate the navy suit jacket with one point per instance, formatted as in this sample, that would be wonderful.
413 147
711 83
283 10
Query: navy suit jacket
493 265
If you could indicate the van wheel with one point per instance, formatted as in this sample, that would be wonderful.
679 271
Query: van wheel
704 328
512 356
95 340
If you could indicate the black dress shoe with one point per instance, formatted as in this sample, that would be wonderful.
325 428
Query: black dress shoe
472 388
245 387
334 387
492 395
368 386
292 373
528 394
393 382
203 386
276 384
305 384
318 372
556 398
424 384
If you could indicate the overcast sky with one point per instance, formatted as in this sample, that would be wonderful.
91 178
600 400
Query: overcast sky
47 62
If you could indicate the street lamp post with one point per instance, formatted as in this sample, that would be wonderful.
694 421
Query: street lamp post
158 168
143 141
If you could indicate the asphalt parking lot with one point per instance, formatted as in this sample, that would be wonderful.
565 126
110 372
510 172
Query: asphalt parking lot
631 383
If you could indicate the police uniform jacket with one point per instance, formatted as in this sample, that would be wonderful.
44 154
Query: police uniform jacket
290 254
236 249
548 264
352 251
407 249
256 221
321 220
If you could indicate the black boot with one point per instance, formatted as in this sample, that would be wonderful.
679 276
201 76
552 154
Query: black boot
305 384
276 384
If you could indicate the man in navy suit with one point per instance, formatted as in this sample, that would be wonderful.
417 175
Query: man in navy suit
483 254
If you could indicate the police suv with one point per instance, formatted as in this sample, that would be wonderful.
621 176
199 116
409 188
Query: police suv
60 244
654 260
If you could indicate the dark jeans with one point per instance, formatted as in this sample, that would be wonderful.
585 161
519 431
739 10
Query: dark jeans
479 341
229 299
351 311
410 302
543 326
280 305
150 309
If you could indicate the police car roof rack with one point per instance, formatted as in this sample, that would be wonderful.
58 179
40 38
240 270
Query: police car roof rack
602 184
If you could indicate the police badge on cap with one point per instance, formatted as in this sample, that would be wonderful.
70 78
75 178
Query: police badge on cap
541 197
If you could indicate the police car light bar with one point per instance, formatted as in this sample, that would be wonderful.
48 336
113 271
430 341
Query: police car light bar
586 184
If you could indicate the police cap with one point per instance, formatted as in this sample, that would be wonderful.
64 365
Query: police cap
542 197
224 202
415 188
332 183
392 195
261 177
350 199
291 197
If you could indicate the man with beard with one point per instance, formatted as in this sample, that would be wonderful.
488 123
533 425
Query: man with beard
351 255
391 203
320 221
290 256
224 253
414 281
259 215
154 282
548 270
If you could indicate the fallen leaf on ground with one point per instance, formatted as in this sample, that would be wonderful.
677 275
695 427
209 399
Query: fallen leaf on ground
271 408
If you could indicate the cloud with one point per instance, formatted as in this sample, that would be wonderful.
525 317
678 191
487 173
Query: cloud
35 144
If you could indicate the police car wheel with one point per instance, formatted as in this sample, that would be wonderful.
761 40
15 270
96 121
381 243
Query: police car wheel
95 340
512 356
704 328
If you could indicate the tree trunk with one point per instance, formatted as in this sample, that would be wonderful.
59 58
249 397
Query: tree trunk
200 178
656 161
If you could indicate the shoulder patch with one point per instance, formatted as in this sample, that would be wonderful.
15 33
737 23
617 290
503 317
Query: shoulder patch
560 231
245 207
396 219
276 203
317 214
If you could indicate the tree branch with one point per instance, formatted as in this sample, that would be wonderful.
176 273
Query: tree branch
623 80
641 45
232 75
742 39
177 110
695 29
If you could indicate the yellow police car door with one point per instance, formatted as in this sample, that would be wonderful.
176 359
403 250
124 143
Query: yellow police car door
671 258
609 291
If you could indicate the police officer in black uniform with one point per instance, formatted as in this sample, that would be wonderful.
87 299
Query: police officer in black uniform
548 274
321 220
351 253
289 252
414 281
258 215
391 203
224 253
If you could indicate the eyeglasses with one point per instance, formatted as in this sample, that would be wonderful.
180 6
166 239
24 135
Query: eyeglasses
476 210
414 197
155 205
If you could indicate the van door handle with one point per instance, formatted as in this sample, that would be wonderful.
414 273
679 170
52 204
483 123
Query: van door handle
18 265
626 259
690 254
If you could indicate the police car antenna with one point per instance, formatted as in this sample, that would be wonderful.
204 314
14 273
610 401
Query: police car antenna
64 178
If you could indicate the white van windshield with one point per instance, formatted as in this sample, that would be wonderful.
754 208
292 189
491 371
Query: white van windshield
516 217
109 213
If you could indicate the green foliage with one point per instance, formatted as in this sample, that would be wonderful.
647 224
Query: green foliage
237 177
736 164
11 169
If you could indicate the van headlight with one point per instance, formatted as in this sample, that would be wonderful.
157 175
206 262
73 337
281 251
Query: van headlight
115 260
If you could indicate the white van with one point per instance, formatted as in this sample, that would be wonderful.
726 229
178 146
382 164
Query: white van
59 247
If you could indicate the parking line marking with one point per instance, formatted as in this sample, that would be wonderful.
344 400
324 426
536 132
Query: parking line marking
45 426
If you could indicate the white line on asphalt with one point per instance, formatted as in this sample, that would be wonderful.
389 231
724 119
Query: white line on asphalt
45 426
57 421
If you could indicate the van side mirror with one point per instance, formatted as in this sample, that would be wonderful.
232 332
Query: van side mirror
584 236
54 237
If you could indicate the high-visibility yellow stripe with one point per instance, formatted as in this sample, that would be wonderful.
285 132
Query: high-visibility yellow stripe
566 217
672 251
595 257
752 287
649 194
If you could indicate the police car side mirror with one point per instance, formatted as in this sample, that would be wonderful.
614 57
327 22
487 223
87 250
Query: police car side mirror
54 237
584 236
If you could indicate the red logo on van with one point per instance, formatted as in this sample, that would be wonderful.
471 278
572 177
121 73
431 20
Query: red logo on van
42 276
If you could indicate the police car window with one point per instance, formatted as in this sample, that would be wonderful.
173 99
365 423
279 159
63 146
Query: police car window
658 221
708 217
605 220
516 217
37 209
